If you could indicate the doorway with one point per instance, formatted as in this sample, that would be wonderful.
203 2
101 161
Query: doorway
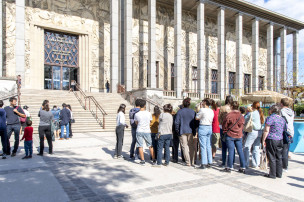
59 78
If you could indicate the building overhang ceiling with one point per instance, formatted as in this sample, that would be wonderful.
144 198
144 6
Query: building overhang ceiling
250 11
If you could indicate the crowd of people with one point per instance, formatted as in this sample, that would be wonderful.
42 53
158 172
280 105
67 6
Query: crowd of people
14 119
200 132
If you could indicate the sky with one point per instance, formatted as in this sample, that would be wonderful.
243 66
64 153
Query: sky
292 9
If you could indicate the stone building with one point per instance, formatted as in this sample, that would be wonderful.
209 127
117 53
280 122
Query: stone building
171 48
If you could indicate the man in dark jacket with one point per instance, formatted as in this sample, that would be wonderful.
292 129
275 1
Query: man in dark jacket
185 126
133 128
65 117
13 114
3 130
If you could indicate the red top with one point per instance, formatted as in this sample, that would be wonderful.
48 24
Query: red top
28 134
215 123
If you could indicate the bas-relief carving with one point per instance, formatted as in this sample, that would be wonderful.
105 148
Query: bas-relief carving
10 42
263 56
78 15
247 51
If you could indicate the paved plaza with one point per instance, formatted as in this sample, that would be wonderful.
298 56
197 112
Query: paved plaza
82 169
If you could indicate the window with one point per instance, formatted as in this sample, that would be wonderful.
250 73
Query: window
231 82
214 77
172 76
261 83
247 83
194 79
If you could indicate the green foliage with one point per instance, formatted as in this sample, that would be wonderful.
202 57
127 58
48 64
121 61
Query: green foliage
298 108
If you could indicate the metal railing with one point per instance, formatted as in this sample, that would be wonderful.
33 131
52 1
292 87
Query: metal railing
91 104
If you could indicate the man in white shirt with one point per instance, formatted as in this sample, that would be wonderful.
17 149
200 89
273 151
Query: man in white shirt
143 132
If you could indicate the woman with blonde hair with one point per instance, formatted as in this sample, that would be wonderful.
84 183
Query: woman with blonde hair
253 138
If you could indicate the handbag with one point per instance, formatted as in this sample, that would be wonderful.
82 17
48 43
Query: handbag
249 125
225 134
264 161
22 119
72 120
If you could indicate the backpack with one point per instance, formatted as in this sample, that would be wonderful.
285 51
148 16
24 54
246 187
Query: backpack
131 116
22 120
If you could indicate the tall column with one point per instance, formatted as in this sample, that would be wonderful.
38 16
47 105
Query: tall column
114 45
255 55
270 75
128 45
239 54
283 80
20 42
178 79
1 47
295 57
152 44
276 67
201 48
221 51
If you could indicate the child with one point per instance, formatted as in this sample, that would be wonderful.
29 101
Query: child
28 142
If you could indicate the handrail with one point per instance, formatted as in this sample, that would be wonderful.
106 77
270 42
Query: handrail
9 96
94 112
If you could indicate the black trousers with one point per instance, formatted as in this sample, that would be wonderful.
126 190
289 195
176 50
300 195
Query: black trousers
285 155
45 131
70 130
175 147
119 139
274 151
4 141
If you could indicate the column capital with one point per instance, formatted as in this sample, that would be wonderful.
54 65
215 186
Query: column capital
255 19
220 8
239 14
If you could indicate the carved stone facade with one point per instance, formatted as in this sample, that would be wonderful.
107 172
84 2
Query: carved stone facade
91 19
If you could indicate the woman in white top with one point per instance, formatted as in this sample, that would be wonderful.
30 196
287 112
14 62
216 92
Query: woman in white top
205 116
120 129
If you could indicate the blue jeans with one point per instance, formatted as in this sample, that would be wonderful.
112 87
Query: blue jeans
10 129
28 147
67 131
233 143
154 144
163 140
252 139
133 143
204 135
224 151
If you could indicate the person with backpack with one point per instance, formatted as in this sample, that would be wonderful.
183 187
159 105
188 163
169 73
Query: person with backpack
65 117
288 115
133 129
13 115
56 113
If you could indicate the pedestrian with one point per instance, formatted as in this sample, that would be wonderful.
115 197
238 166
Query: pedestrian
133 130
224 110
56 114
243 111
154 129
108 86
143 119
186 128
72 120
44 129
273 141
13 114
205 116
28 117
216 131
288 115
120 129
3 132
64 118
253 138
164 134
73 85
28 140
233 124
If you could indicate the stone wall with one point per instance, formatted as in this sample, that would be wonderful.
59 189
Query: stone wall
92 18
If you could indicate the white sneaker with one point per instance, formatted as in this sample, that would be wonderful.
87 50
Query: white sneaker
285 170
136 159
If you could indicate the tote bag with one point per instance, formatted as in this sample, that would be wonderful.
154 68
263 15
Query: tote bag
249 125
264 162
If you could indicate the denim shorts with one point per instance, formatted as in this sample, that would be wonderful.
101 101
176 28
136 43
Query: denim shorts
143 137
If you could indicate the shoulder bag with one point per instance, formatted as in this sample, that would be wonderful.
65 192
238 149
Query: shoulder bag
225 134
249 125
287 138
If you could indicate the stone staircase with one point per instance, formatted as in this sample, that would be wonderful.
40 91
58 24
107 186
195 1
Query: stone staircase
84 120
